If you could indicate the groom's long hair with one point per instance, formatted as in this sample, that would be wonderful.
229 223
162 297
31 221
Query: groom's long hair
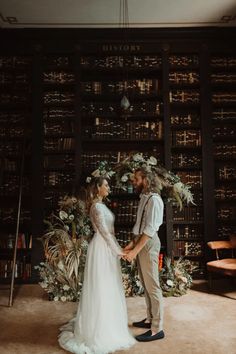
154 183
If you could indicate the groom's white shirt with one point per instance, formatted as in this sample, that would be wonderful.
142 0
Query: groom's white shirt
153 214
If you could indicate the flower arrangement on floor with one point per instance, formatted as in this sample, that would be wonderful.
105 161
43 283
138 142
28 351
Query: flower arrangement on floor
65 245
175 278
131 282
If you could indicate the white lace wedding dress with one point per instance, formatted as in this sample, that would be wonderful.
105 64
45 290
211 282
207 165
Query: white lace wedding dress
101 323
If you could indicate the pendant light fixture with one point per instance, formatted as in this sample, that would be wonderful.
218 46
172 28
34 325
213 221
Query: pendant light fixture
124 24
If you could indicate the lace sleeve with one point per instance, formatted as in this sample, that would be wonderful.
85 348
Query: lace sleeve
98 219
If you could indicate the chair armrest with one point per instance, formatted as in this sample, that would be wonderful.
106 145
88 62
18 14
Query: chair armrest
217 245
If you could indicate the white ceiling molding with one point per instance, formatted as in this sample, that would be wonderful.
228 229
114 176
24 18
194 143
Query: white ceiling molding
105 13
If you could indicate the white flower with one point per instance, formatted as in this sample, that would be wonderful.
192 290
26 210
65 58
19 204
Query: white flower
66 287
63 298
152 161
184 279
124 178
43 285
60 265
71 217
88 179
56 298
96 173
74 200
138 158
63 215
169 282
178 187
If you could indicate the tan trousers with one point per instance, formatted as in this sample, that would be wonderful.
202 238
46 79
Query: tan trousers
148 263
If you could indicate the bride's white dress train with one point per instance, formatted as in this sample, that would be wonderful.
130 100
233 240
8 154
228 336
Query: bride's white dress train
101 323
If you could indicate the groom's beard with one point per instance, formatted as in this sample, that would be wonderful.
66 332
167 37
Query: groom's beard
139 189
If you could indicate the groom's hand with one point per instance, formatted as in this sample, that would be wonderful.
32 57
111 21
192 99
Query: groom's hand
131 255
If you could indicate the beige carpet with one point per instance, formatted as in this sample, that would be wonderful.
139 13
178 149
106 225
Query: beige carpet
194 323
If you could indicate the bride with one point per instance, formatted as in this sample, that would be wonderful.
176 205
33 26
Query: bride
101 323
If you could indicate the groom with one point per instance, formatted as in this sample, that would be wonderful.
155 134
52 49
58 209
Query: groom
146 246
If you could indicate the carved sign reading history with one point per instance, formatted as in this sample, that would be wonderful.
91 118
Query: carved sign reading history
121 47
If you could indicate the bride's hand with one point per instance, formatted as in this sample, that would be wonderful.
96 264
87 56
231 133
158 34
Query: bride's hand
123 254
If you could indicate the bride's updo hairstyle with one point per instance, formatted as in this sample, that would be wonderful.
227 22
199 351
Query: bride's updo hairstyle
92 189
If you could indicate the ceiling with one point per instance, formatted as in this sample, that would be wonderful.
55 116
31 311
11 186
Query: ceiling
106 13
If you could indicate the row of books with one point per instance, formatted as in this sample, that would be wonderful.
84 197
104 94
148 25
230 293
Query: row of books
13 117
125 211
107 129
186 138
57 61
8 215
225 193
188 214
182 248
9 165
12 62
123 236
225 151
187 232
10 147
51 198
223 62
224 97
62 126
226 172
24 240
226 131
144 86
12 132
223 78
59 144
223 114
120 61
225 231
55 77
113 108
185 160
9 187
183 60
22 269
59 161
192 178
190 119
54 178
58 97
90 159
183 96
58 113
226 213
8 78
14 98
188 77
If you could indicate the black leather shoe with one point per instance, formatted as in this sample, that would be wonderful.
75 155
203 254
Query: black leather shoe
142 324
147 336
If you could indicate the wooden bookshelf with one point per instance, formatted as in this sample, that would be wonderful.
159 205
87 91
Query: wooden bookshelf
67 94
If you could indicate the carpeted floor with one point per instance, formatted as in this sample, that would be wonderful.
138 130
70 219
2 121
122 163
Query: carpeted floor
195 323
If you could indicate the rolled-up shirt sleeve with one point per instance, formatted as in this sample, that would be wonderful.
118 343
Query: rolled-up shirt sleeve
154 216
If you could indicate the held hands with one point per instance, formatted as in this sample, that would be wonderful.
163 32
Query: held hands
129 254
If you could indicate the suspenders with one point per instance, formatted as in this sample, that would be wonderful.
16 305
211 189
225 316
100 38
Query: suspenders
143 214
